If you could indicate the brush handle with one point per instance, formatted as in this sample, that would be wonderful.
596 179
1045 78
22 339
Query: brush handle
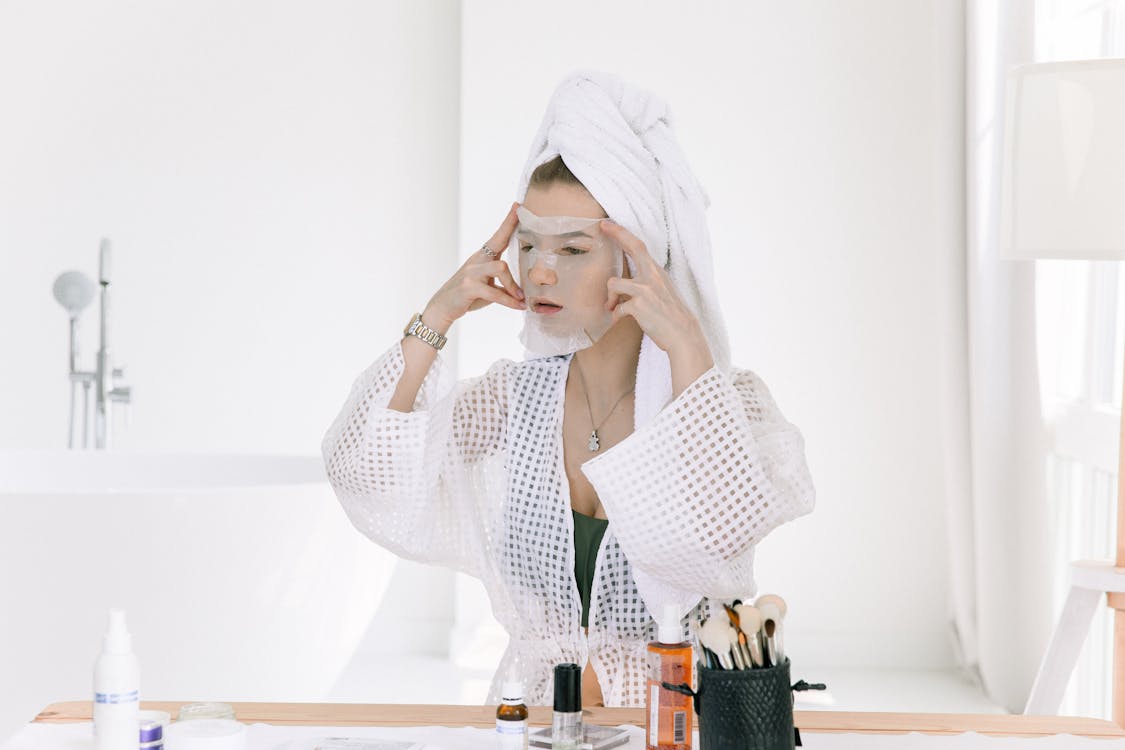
771 650
736 656
756 652
744 648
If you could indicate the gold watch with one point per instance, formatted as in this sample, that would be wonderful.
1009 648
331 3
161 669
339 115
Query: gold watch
420 330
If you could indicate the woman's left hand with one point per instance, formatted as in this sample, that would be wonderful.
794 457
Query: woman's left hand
651 298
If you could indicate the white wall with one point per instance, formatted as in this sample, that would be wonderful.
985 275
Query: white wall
829 137
270 174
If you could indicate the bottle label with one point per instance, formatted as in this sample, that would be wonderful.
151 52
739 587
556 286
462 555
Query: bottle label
130 697
668 722
511 735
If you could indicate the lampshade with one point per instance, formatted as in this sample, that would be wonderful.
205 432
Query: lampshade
1063 183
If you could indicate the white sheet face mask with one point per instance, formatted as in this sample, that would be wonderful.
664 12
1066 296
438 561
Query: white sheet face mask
565 263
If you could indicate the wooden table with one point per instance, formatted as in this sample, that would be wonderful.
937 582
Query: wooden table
351 714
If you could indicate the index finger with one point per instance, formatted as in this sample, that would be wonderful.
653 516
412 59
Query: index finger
499 241
629 242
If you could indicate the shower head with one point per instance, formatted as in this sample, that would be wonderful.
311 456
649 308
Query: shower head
74 290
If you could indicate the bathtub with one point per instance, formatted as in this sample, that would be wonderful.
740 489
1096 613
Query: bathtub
241 577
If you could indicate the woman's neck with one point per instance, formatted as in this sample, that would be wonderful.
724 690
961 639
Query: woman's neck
609 367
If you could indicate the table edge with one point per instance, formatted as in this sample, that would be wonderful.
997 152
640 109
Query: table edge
386 714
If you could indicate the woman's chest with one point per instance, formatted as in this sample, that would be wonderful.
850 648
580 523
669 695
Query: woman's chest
585 435
553 431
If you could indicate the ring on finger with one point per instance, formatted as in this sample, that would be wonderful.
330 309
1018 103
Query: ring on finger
487 251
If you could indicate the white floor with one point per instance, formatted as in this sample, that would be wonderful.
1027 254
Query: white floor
419 679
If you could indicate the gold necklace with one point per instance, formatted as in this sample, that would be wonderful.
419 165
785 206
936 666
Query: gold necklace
595 443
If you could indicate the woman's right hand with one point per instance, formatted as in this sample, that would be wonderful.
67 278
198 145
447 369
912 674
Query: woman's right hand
475 284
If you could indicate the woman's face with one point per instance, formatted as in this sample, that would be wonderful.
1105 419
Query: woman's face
568 289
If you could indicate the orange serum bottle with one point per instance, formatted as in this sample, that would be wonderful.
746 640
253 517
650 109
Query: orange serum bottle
668 713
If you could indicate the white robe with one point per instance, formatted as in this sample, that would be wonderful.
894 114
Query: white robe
474 479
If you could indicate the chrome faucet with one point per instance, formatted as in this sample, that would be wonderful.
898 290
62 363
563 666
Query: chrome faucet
75 291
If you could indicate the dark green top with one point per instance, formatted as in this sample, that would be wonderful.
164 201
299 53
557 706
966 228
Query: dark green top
588 533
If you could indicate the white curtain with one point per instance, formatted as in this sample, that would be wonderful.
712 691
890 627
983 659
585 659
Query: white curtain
998 528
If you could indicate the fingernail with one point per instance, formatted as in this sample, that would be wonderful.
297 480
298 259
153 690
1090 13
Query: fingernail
520 294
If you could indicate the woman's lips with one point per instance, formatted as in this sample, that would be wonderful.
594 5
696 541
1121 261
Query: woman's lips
545 308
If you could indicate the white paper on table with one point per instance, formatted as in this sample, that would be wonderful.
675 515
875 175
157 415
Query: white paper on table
349 743
78 736
964 741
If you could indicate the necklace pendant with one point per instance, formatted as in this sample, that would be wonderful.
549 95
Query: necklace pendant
593 445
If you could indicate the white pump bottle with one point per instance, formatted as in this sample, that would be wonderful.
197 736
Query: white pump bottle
116 689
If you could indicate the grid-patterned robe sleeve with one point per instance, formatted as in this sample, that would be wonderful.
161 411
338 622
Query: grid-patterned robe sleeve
691 492
420 483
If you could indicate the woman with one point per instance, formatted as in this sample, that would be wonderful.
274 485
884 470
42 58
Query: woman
623 467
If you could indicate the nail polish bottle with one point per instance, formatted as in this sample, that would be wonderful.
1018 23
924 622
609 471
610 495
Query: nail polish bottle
566 727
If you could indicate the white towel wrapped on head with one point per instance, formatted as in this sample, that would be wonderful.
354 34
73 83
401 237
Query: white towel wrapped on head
618 141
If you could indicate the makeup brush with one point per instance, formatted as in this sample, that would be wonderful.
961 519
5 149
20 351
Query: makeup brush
703 654
771 628
740 647
779 631
713 635
750 623
736 649
707 656
774 598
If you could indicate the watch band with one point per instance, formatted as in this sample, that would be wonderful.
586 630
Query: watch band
420 330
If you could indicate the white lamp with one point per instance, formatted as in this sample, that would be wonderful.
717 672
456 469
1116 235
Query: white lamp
1063 196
